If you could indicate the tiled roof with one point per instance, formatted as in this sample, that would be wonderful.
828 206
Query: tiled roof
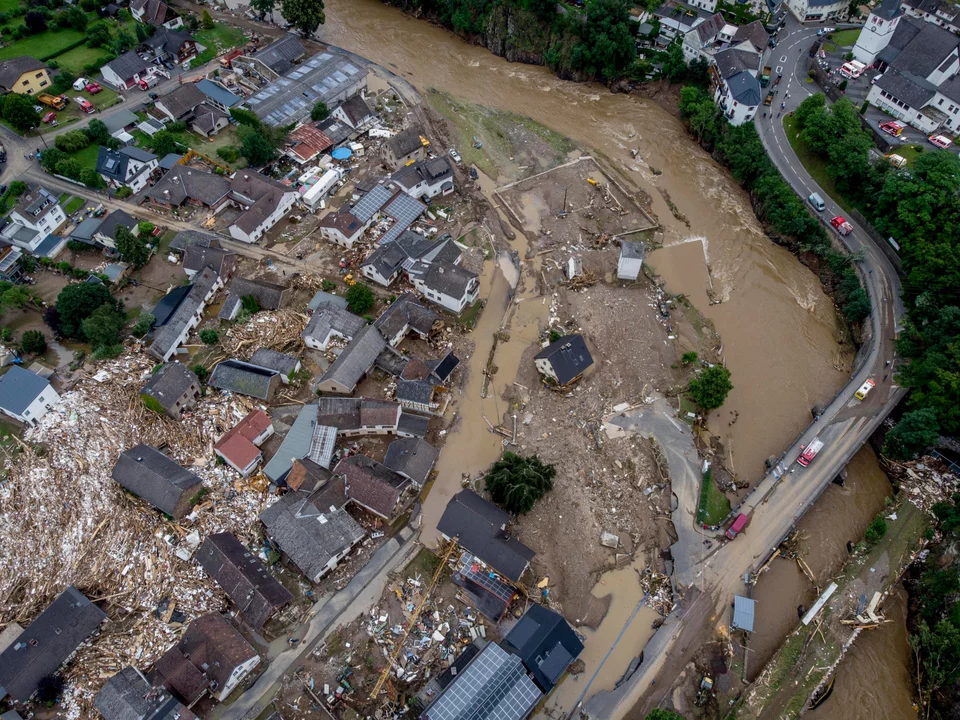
168 385
356 359
154 477
12 69
372 484
411 457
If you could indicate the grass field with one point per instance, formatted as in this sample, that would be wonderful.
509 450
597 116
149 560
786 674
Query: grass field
714 505
813 163
845 38
75 204
42 45
218 40
87 157
75 60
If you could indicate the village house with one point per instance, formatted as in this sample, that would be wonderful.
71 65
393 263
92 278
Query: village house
405 315
450 286
387 262
312 537
250 586
817 10
421 381
269 63
306 143
47 643
189 105
355 417
119 123
24 75
372 485
26 396
944 13
348 224
127 167
173 389
197 256
322 299
286 366
269 296
217 652
11 269
329 322
188 238
734 76
155 478
189 186
156 13
128 69
326 490
263 201
426 179
406 147
565 360
480 528
38 209
174 46
631 260
105 234
295 446
356 113
413 458
128 695
245 379
353 363
218 96
180 311
240 446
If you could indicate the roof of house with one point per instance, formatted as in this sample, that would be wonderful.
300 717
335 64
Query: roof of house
709 29
12 69
342 413
237 444
743 613
632 250
206 117
406 141
568 356
918 48
295 445
324 298
169 332
269 295
182 101
280 55
327 490
411 457
334 129
169 160
371 203
185 238
356 110
412 424
478 524
342 220
322 445
493 686
444 367
294 523
406 310
47 642
214 645
259 194
154 11
154 477
246 581
129 696
128 65
389 257
433 171
176 673
198 256
356 359
745 88
914 91
372 484
329 318
182 183
448 279
218 93
19 388
119 120
166 40
951 88
244 378
85 231
307 142
755 33
118 218
169 383
113 163
545 643
274 360
731 61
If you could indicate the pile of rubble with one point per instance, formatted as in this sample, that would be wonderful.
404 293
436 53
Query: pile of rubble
925 481
279 330
63 520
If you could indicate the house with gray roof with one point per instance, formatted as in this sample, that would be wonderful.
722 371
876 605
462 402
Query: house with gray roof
372 485
174 388
412 425
354 417
218 96
295 446
426 179
269 296
184 185
127 167
198 256
405 147
450 286
353 363
155 478
127 70
25 396
631 259
413 458
176 317
47 643
564 360
388 261
281 363
324 298
313 538
328 322
175 46
23 75
272 61
128 695
546 644
179 105
120 121
404 315
248 583
106 233
245 379
186 238
354 112
263 201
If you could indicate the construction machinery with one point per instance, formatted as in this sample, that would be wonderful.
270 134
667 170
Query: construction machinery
391 661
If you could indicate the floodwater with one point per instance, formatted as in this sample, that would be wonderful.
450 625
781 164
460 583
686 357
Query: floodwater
778 327
875 679
623 586
840 515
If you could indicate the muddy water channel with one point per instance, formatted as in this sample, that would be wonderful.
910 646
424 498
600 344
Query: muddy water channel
778 327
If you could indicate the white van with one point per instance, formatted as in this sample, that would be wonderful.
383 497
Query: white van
817 202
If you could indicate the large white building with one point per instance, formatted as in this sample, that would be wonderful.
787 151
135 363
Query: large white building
817 10
25 396
877 31
736 87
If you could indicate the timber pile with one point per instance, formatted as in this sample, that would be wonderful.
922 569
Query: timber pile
279 330
63 520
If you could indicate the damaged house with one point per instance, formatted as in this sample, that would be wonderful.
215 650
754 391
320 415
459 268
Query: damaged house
353 363
128 695
180 311
173 389
151 476
405 315
240 446
328 322
372 485
269 296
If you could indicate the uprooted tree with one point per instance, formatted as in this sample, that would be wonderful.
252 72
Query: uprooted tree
517 482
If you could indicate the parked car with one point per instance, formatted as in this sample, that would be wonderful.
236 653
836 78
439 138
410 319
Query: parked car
941 141
93 88
892 128
50 117
85 104
38 108
154 96
455 155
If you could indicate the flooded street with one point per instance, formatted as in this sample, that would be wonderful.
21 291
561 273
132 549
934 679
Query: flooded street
779 329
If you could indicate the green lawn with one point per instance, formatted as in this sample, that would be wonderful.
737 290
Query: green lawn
218 40
71 207
8 6
845 38
813 163
44 45
75 60
910 153
87 157
714 505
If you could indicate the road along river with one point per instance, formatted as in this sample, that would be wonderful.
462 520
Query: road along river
779 329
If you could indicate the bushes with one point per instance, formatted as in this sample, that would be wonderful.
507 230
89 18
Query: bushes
229 153
209 336
517 482
876 530
709 389
33 342
359 298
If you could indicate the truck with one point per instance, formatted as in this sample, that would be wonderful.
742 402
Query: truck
891 127
57 102
768 100
841 226
853 69
148 83
85 105
861 394
738 525
765 76
810 451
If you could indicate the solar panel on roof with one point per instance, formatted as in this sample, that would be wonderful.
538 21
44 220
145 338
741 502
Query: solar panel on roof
340 76
350 69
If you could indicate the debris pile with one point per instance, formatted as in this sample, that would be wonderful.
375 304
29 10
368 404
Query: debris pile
279 330
65 521
925 481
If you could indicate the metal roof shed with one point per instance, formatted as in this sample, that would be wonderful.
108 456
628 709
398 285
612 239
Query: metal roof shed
743 613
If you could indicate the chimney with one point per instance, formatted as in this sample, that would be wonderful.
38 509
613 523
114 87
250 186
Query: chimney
166 193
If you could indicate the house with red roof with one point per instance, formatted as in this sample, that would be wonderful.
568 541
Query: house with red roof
240 447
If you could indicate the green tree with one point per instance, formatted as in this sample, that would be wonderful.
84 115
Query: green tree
17 188
709 389
13 296
123 42
674 67
659 714
102 328
164 143
76 303
256 149
933 373
18 111
142 33
35 22
209 336
517 482
206 20
938 656
359 298
132 248
97 132
50 158
263 7
69 168
319 112
250 304
948 515
306 15
200 371
98 35
876 530
91 178
245 117
689 357
916 431
144 323
73 141
33 342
